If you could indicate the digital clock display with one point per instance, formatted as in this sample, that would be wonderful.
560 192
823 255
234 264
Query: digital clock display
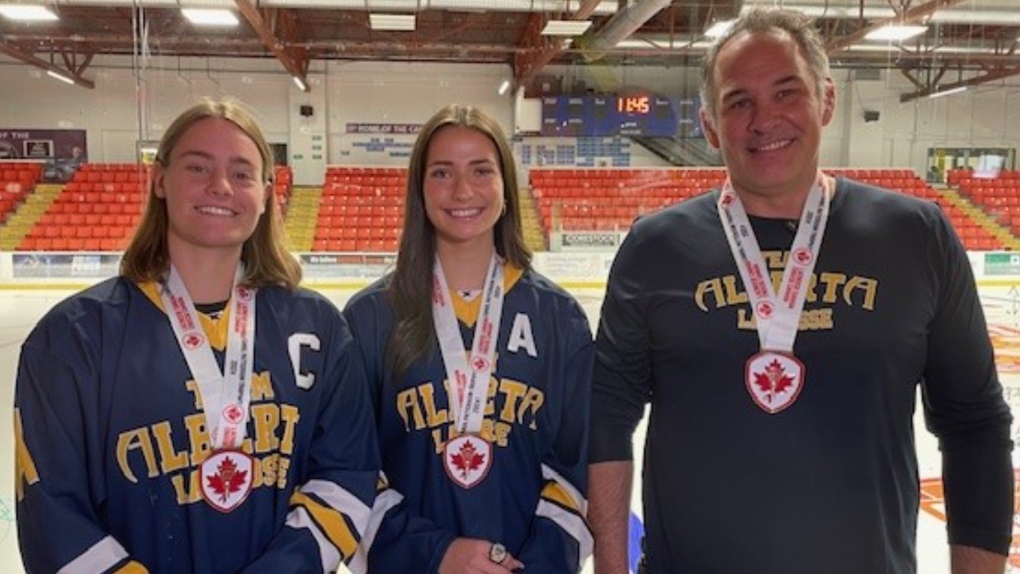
628 114
633 105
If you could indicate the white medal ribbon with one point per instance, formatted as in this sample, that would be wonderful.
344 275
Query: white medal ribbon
225 395
777 317
468 379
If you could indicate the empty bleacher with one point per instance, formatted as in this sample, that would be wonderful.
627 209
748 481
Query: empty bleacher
974 235
997 194
610 199
17 180
96 211
361 209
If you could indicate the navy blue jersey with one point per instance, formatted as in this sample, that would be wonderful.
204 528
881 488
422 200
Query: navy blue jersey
111 433
532 497
830 483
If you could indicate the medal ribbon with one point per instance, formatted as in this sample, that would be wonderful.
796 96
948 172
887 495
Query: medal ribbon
225 394
468 379
777 317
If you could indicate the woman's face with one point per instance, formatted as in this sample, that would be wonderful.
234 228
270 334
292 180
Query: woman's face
213 187
463 186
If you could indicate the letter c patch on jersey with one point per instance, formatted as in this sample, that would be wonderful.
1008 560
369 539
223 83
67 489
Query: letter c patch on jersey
305 379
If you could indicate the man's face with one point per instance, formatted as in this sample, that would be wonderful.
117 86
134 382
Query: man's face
769 116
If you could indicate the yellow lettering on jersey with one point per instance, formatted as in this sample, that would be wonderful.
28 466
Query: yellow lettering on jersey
500 433
265 470
745 323
532 402
810 320
723 290
490 397
290 416
495 432
281 472
831 283
734 296
270 471
710 287
169 459
192 387
513 391
775 259
190 493
870 288
198 438
266 419
25 472
434 416
407 406
816 320
261 387
137 439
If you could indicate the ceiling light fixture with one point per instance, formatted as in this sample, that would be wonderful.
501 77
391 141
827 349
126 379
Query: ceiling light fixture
895 33
27 13
300 83
719 28
504 87
566 27
951 91
59 76
392 22
210 16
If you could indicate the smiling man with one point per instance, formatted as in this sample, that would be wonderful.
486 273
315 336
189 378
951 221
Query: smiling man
780 327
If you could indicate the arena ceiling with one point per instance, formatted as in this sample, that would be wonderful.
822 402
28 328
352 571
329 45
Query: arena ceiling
967 42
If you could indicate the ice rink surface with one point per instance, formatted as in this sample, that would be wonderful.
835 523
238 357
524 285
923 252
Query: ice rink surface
21 309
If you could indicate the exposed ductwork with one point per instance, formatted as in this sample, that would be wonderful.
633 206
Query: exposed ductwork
621 26
976 12
605 7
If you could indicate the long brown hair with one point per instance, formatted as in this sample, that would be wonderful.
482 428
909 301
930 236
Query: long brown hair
410 288
266 259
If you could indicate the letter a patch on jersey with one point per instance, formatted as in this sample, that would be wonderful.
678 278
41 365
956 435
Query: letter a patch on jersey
467 459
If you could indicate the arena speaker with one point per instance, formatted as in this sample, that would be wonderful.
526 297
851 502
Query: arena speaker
871 115
306 111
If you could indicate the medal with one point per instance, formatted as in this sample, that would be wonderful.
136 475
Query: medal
467 459
774 377
227 473
226 479
774 380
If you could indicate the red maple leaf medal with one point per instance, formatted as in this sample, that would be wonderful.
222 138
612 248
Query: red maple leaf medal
467 459
774 380
226 479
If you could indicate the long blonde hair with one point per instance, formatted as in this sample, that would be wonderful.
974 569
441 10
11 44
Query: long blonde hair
267 261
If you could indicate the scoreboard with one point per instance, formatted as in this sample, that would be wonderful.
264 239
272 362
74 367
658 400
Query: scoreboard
628 114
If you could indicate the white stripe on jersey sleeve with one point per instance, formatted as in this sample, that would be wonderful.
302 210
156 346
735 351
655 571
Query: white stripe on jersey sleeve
342 501
549 474
384 501
571 520
328 554
572 524
102 556
342 504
